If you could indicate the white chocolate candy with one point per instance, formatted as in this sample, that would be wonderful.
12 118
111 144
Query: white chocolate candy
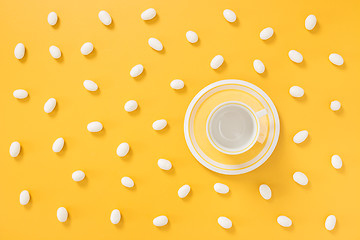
192 37
184 191
15 149
155 44
221 188
284 221
52 18
177 84
300 178
55 52
229 15
123 149
87 48
115 216
105 17
78 176
216 62
330 222
300 136
148 14
159 124
62 214
24 197
296 91
131 106
265 191
90 85
160 221
164 164
127 182
58 145
295 56
310 22
94 126
19 51
335 105
224 222
50 105
20 94
259 66
336 161
136 70
266 33
336 59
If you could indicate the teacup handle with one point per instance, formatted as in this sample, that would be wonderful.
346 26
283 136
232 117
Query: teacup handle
261 114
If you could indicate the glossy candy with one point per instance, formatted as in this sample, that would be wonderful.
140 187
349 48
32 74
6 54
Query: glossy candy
123 149
300 178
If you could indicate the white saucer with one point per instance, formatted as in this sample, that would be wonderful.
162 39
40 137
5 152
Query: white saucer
195 127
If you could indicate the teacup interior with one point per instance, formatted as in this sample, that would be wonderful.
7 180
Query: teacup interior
232 127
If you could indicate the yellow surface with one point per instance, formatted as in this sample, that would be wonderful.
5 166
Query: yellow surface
119 47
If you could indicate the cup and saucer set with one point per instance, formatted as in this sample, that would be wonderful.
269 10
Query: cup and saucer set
231 127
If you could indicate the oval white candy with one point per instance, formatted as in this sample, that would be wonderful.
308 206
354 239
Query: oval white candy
19 51
50 105
62 214
164 164
78 176
229 15
177 84
259 66
52 18
225 222
336 59
336 161
155 44
192 37
335 105
266 33
148 14
20 94
105 17
94 127
216 62
221 188
159 124
296 91
58 145
115 216
295 56
284 221
123 149
15 149
330 222
183 191
160 221
55 52
131 106
310 22
87 48
24 197
300 178
136 70
300 136
265 191
90 85
127 182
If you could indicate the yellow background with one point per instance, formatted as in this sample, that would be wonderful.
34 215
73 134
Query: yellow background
119 47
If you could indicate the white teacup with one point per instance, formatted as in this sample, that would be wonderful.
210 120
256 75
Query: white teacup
233 127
